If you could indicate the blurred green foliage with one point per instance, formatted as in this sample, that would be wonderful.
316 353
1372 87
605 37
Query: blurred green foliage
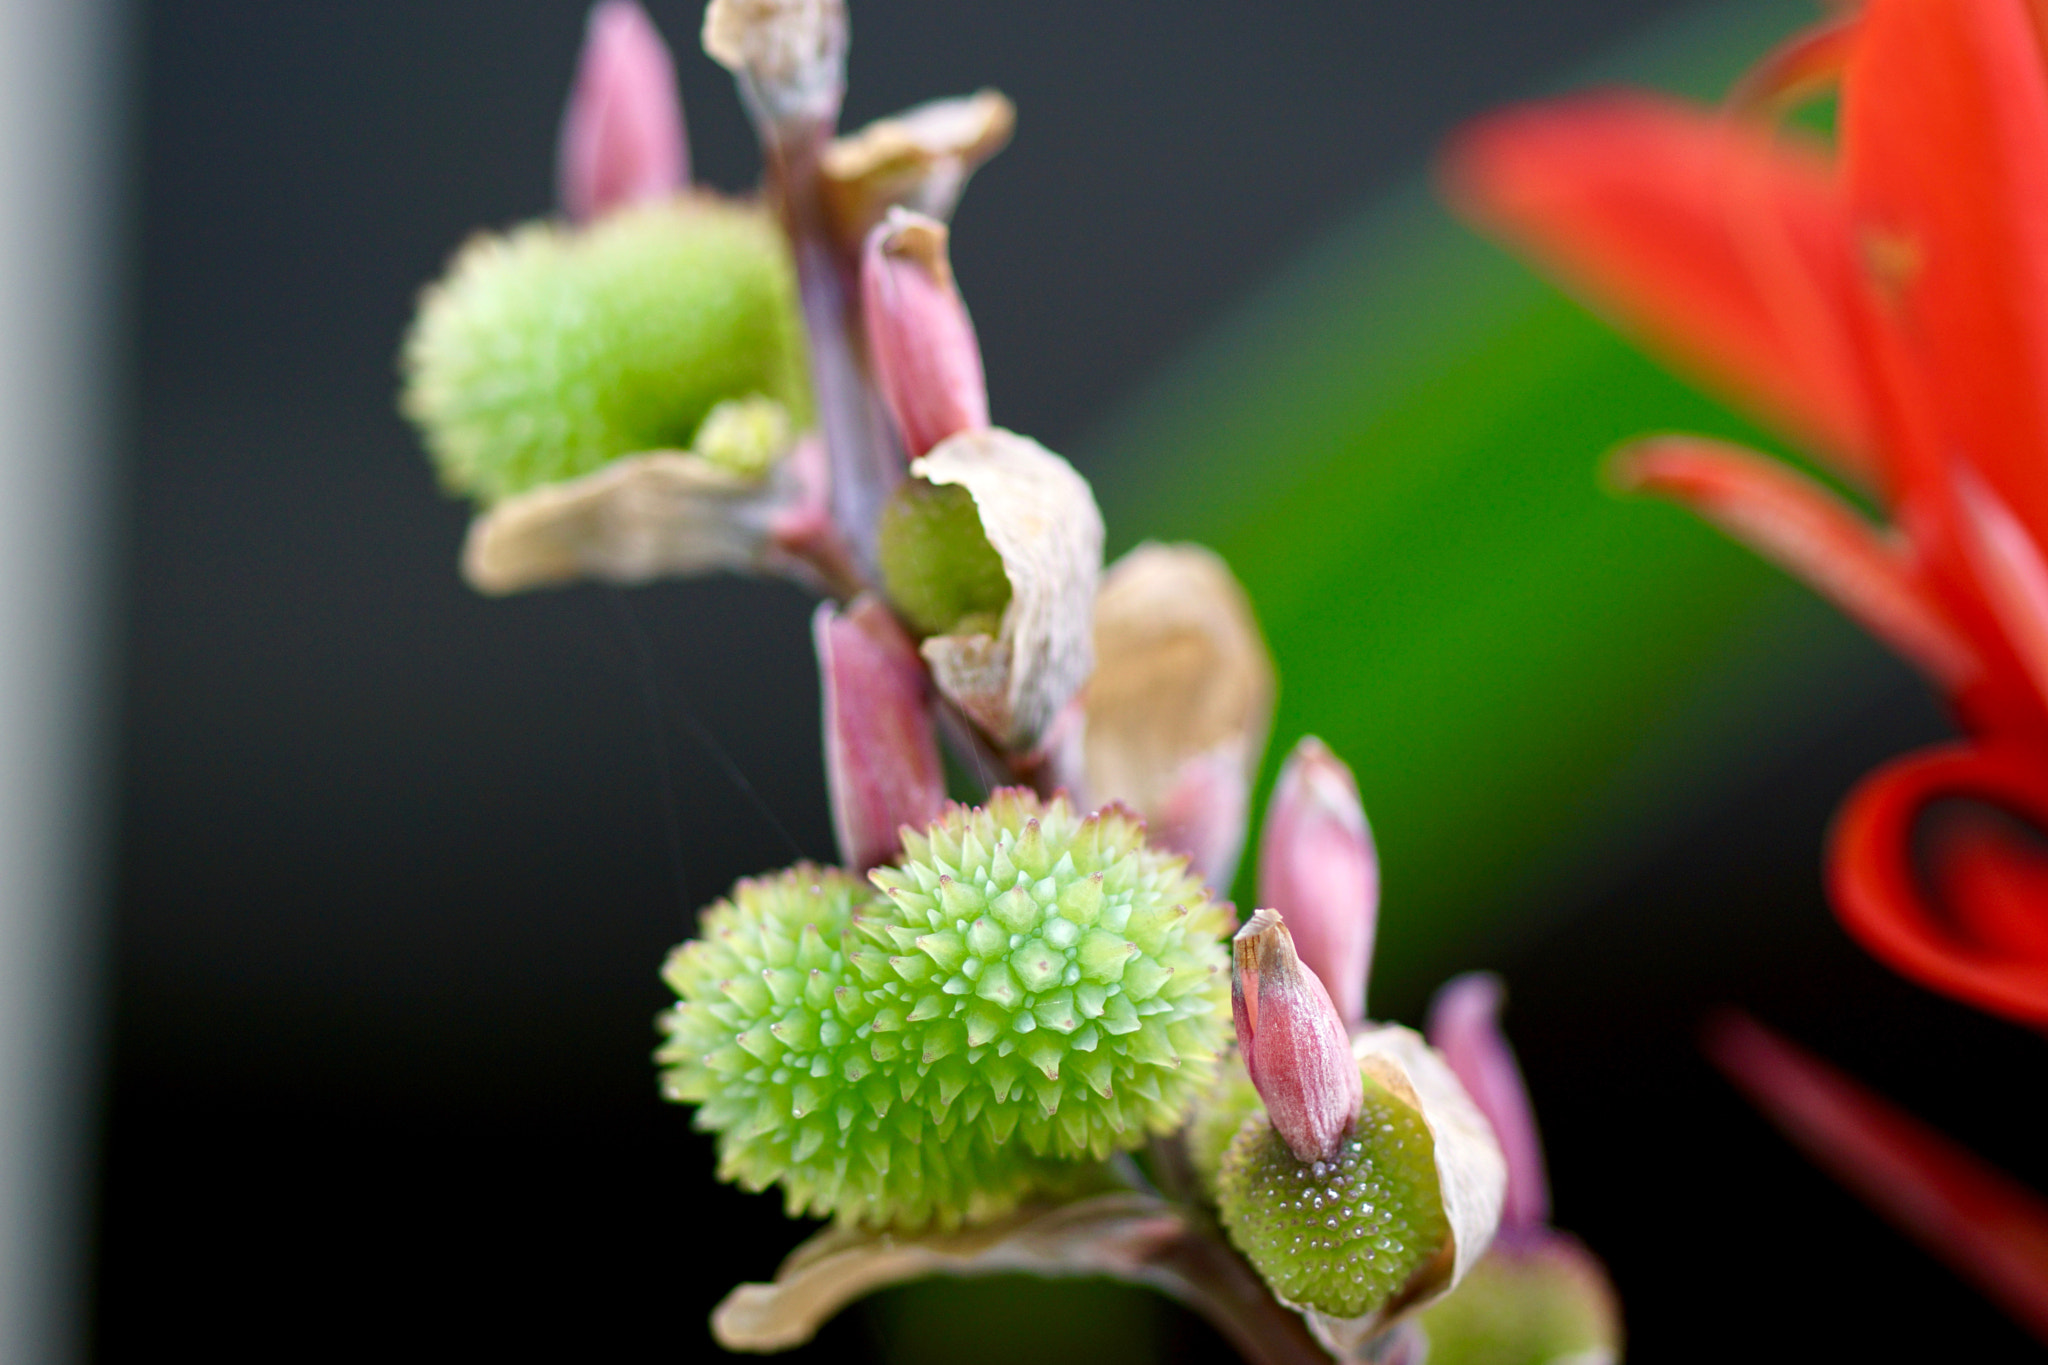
1396 447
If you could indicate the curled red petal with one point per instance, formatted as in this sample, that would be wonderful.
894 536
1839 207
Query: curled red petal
1941 940
1979 1221
1722 248
1800 526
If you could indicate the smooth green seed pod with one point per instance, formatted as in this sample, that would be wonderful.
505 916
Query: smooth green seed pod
548 351
1344 1235
798 1062
1544 1301
941 574
1073 980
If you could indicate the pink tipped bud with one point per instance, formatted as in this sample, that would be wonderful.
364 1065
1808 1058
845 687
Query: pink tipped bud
1203 813
622 136
881 759
1294 1045
919 334
1464 1025
1317 863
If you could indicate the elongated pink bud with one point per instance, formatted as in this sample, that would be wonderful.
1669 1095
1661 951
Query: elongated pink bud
881 759
1203 814
1293 1044
919 335
1318 865
622 135
1464 1025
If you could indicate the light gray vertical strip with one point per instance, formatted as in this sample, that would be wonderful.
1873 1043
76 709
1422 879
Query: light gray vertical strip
57 168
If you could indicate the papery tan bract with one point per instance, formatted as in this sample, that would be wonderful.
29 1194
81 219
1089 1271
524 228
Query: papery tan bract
1041 518
1177 710
919 159
1115 1234
644 517
789 55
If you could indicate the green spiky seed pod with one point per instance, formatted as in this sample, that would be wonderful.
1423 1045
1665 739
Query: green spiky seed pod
941 574
1066 982
775 1040
550 350
1342 1235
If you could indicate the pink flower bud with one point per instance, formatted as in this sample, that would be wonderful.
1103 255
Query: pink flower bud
1203 812
1294 1045
881 759
919 335
622 135
1464 1025
1317 863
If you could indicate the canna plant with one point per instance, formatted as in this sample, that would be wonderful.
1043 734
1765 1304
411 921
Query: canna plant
1881 301
1018 1031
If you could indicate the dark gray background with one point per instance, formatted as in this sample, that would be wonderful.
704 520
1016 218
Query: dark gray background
395 862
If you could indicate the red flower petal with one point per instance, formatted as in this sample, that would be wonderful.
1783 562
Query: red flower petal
1944 130
1718 246
1962 941
1805 65
1797 524
1987 1228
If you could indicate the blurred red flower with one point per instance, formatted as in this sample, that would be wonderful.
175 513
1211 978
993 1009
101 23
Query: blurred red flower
1884 304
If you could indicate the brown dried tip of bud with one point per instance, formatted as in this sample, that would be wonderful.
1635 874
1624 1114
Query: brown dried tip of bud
919 159
1293 1042
790 55
926 356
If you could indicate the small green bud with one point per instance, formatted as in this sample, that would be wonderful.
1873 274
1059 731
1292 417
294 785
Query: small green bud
941 573
1544 1301
816 1080
1058 1054
1342 1236
549 351
745 435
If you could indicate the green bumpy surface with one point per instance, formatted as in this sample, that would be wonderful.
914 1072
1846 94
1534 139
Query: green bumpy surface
1030 992
941 574
1547 1303
548 351
1066 983
765 1042
1341 1235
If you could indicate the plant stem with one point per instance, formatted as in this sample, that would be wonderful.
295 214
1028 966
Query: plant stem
1199 1270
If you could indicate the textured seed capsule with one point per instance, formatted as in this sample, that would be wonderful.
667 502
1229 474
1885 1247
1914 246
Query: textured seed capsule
1343 1235
1027 991
1070 982
775 1039
549 351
